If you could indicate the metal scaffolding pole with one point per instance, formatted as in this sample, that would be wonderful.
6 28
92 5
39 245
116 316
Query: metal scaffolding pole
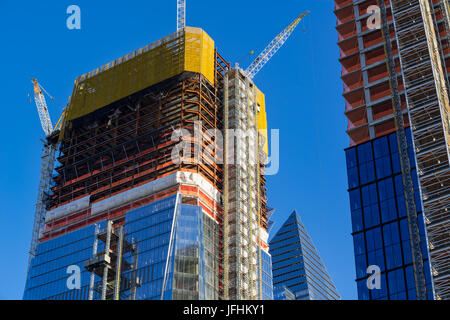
47 164
94 253
118 264
408 186
428 108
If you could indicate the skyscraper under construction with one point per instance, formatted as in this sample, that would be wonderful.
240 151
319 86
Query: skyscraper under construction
159 188
395 63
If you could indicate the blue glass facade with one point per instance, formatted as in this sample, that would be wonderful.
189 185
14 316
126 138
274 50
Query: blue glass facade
190 271
297 266
47 276
266 273
283 293
379 222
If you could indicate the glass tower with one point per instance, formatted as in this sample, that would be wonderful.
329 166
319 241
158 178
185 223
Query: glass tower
296 265
189 271
380 226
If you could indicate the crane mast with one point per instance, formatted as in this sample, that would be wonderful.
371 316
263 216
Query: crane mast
181 14
47 165
273 48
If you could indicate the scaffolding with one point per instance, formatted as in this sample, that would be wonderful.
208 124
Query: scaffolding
109 264
242 195
47 165
225 192
130 143
428 107
408 186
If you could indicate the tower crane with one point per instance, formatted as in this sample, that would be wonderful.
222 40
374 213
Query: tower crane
268 52
273 48
42 108
181 14
47 163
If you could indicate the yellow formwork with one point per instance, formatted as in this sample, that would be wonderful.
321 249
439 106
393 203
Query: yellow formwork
262 119
190 49
199 53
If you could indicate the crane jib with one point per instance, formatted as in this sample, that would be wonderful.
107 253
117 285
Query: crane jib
272 48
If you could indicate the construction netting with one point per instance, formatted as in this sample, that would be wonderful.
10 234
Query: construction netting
190 49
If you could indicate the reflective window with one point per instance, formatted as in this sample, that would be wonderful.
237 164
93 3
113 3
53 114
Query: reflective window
356 212
397 290
388 207
396 167
366 164
382 158
375 248
381 292
352 168
363 290
370 205
392 245
360 255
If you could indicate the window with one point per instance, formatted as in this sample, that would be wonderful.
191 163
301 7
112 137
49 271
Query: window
410 283
366 165
355 205
351 158
357 222
352 168
396 168
375 248
353 178
380 294
392 245
355 200
396 282
363 291
370 205
387 200
382 159
360 255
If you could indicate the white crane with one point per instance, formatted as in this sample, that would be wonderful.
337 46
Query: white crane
42 108
272 48
268 52
48 160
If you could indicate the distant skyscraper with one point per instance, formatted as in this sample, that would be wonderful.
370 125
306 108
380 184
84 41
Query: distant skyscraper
297 266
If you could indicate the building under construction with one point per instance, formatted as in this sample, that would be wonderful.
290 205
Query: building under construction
395 60
131 214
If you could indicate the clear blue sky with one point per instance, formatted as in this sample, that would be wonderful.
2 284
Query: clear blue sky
303 95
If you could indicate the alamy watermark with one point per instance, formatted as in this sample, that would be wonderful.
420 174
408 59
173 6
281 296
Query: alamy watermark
374 280
374 19
73 22
74 278
207 147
